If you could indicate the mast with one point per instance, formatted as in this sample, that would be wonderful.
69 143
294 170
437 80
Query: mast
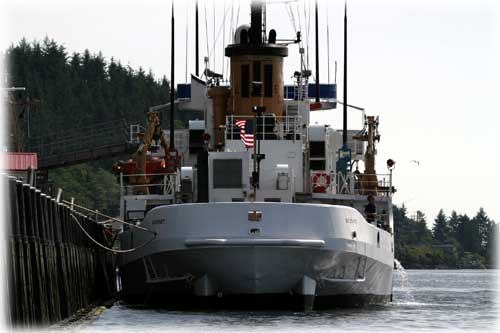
172 101
344 128
197 65
317 53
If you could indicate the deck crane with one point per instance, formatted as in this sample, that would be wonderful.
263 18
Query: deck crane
141 169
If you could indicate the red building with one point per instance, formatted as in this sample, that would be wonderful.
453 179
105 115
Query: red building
19 164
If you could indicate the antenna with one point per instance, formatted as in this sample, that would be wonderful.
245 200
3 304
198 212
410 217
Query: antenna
197 49
172 67
328 42
317 53
344 128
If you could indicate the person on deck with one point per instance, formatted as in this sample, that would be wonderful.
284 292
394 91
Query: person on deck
371 209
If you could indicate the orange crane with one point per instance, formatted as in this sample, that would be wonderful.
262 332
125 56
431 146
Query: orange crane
369 182
140 169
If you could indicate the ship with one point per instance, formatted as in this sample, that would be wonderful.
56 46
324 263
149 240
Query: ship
254 204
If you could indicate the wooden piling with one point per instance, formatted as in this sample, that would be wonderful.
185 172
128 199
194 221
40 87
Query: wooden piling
54 269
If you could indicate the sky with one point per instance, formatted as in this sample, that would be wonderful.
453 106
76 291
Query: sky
428 69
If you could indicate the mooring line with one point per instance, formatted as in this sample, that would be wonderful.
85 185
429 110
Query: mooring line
110 249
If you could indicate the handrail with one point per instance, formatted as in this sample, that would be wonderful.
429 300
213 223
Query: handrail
285 127
169 183
349 184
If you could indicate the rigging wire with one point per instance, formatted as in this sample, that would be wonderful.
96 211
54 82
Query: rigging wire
217 38
238 14
290 15
307 26
206 35
214 41
223 38
231 34
298 16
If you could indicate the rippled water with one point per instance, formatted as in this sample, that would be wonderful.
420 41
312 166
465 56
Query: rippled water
430 300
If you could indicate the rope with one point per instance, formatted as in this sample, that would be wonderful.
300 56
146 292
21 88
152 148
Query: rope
104 215
110 249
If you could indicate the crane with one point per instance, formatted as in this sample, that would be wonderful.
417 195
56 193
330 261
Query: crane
139 169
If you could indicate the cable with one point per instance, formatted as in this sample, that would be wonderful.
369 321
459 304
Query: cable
110 249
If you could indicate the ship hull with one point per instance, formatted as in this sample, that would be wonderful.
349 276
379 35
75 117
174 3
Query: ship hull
293 261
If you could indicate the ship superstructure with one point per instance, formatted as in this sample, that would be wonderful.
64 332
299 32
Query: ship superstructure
263 204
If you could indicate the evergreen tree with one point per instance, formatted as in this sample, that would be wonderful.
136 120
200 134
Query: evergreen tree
441 230
454 224
483 225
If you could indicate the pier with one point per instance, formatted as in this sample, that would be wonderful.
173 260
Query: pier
53 268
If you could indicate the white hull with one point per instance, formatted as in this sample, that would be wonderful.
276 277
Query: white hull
213 249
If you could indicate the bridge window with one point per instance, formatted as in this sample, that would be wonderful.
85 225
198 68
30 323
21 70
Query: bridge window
268 80
245 81
256 77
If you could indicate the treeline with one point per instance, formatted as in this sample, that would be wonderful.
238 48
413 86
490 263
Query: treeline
80 89
455 241
67 91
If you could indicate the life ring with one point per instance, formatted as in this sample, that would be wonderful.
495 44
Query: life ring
172 160
320 182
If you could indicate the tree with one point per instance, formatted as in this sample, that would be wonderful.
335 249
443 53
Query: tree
483 225
91 187
441 230
454 224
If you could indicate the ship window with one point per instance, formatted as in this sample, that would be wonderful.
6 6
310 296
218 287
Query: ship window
227 173
317 165
268 80
317 148
256 77
245 80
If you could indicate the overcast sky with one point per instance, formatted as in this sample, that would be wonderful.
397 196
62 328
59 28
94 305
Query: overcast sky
429 69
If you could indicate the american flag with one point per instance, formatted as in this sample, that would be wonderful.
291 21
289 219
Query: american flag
246 132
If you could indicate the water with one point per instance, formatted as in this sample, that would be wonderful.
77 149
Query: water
424 300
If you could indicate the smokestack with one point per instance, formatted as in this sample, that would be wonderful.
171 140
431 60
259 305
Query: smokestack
256 22
344 128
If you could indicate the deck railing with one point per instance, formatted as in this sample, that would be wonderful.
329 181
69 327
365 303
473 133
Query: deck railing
270 127
337 183
158 183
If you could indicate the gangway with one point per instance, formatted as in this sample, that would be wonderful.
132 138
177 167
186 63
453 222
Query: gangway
84 144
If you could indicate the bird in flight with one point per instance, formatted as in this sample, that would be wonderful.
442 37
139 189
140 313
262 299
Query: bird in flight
415 161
